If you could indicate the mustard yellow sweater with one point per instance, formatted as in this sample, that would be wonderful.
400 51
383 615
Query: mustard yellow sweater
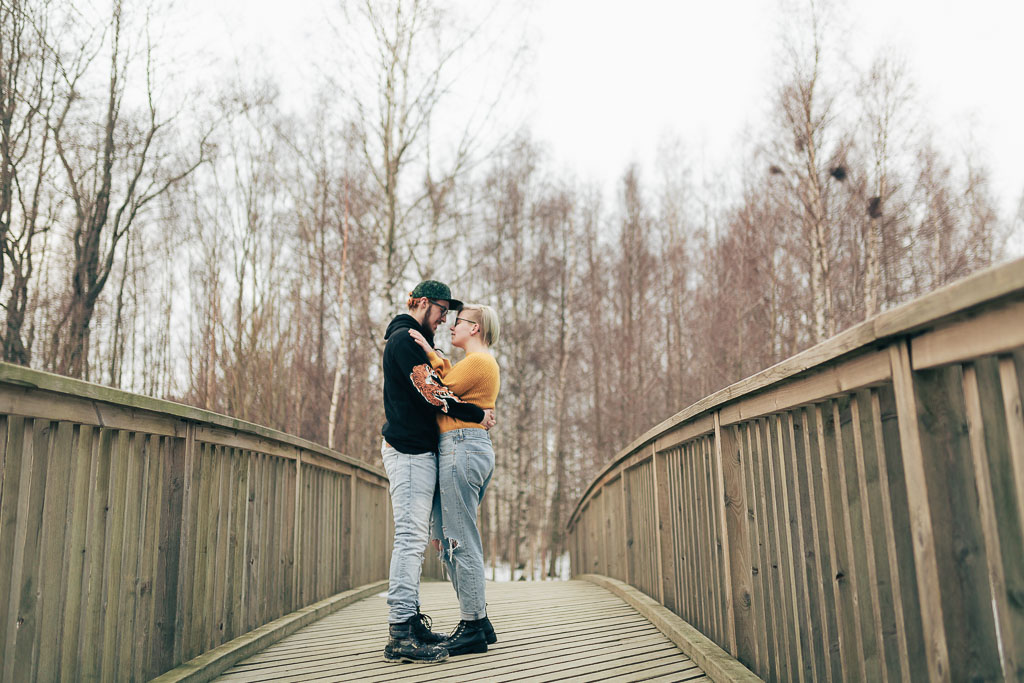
475 379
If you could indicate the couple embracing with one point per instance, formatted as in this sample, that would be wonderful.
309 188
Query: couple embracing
439 459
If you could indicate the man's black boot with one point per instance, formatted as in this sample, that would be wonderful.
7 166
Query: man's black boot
467 638
488 631
404 647
421 630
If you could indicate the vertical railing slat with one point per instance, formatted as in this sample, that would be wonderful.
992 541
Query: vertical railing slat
925 563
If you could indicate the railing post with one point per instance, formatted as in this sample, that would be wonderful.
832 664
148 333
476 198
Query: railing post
736 546
663 523
627 528
925 564
297 533
350 521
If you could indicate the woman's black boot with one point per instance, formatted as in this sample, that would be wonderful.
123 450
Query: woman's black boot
467 638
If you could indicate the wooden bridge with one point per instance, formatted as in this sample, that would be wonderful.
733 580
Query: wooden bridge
853 513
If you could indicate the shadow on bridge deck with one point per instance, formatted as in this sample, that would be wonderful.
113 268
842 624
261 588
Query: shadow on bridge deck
548 631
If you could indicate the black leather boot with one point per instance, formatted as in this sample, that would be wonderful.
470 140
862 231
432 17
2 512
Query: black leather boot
488 631
421 630
467 638
403 646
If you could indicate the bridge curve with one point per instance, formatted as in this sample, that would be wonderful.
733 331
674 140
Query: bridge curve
547 631
140 537
852 513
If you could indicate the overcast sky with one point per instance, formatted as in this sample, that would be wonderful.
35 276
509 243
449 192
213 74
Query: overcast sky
610 79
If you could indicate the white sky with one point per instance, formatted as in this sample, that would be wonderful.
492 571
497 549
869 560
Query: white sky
610 79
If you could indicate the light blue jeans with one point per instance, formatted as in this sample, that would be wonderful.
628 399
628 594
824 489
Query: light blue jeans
465 466
413 479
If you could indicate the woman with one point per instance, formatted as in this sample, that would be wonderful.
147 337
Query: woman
465 466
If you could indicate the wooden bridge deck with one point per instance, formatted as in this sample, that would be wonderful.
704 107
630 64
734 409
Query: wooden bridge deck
549 631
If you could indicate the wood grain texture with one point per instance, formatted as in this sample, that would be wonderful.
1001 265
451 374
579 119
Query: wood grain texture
546 631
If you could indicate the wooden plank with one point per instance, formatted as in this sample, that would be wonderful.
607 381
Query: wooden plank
666 558
234 620
96 556
275 583
115 552
953 499
849 650
925 562
84 456
51 558
679 550
884 507
879 582
1011 378
155 451
784 542
853 529
255 542
217 576
541 634
205 520
815 613
686 544
997 416
289 525
190 544
22 653
763 655
988 333
707 654
350 533
989 522
714 539
814 440
297 534
773 582
14 466
687 431
128 581
230 438
626 503
735 551
696 506
174 475
865 370
49 406
800 607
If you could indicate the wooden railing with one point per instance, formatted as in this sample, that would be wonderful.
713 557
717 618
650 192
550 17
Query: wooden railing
853 513
136 534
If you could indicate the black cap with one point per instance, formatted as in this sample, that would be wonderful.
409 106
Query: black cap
432 289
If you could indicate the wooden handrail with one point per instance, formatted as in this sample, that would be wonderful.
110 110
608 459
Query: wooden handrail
136 533
855 511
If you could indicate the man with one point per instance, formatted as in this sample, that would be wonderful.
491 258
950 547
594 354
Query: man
413 393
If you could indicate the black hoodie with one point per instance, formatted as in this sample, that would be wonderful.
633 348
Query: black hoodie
413 393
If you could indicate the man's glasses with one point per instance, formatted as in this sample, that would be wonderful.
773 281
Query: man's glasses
444 309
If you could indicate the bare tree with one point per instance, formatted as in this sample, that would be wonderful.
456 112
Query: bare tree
418 51
110 178
28 205
804 149
886 95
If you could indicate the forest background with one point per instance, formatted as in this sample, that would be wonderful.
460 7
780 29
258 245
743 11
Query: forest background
220 247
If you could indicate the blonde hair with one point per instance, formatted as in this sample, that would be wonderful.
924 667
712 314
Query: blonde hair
490 328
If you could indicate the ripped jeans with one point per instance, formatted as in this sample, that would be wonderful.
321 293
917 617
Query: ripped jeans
465 466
